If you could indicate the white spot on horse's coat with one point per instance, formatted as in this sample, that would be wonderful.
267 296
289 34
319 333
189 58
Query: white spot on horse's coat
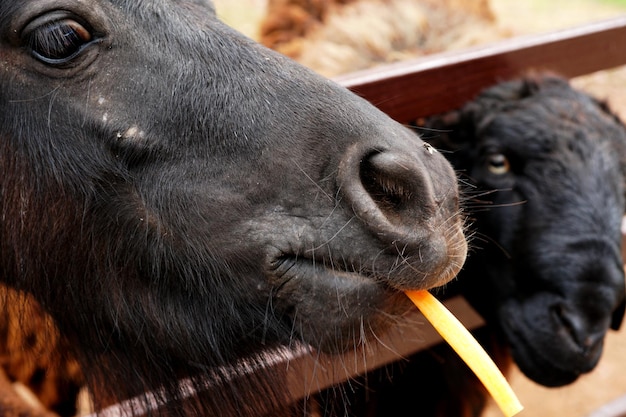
101 100
105 117
133 133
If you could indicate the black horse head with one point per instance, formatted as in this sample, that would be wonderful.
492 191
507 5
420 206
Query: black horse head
178 197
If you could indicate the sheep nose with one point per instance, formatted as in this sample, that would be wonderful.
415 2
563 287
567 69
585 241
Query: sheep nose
586 335
407 196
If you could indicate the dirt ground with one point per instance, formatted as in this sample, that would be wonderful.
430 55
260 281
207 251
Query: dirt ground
608 381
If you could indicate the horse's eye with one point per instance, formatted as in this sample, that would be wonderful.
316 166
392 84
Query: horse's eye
498 164
56 40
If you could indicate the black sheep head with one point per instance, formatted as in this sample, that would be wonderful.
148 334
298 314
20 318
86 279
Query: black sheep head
544 170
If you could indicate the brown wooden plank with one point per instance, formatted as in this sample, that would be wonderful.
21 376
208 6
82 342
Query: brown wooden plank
442 82
308 372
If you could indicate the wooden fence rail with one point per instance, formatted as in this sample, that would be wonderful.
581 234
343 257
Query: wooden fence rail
445 81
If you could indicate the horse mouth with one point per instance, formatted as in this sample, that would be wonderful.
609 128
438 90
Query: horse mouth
327 307
391 269
318 276
333 305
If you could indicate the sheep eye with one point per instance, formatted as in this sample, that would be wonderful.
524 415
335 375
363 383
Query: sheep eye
498 164
56 40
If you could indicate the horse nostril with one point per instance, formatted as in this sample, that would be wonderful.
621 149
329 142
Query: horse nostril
397 188
407 199
388 192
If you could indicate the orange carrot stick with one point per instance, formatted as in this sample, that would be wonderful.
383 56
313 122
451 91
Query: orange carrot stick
462 341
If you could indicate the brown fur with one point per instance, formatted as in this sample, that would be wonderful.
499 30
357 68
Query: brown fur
32 353
13 405
334 37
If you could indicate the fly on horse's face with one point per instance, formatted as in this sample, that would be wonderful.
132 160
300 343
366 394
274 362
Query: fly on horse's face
179 197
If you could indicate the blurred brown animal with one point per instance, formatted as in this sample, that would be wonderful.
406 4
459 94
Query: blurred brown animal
33 353
13 405
334 37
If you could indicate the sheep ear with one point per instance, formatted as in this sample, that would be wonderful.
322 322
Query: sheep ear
618 315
